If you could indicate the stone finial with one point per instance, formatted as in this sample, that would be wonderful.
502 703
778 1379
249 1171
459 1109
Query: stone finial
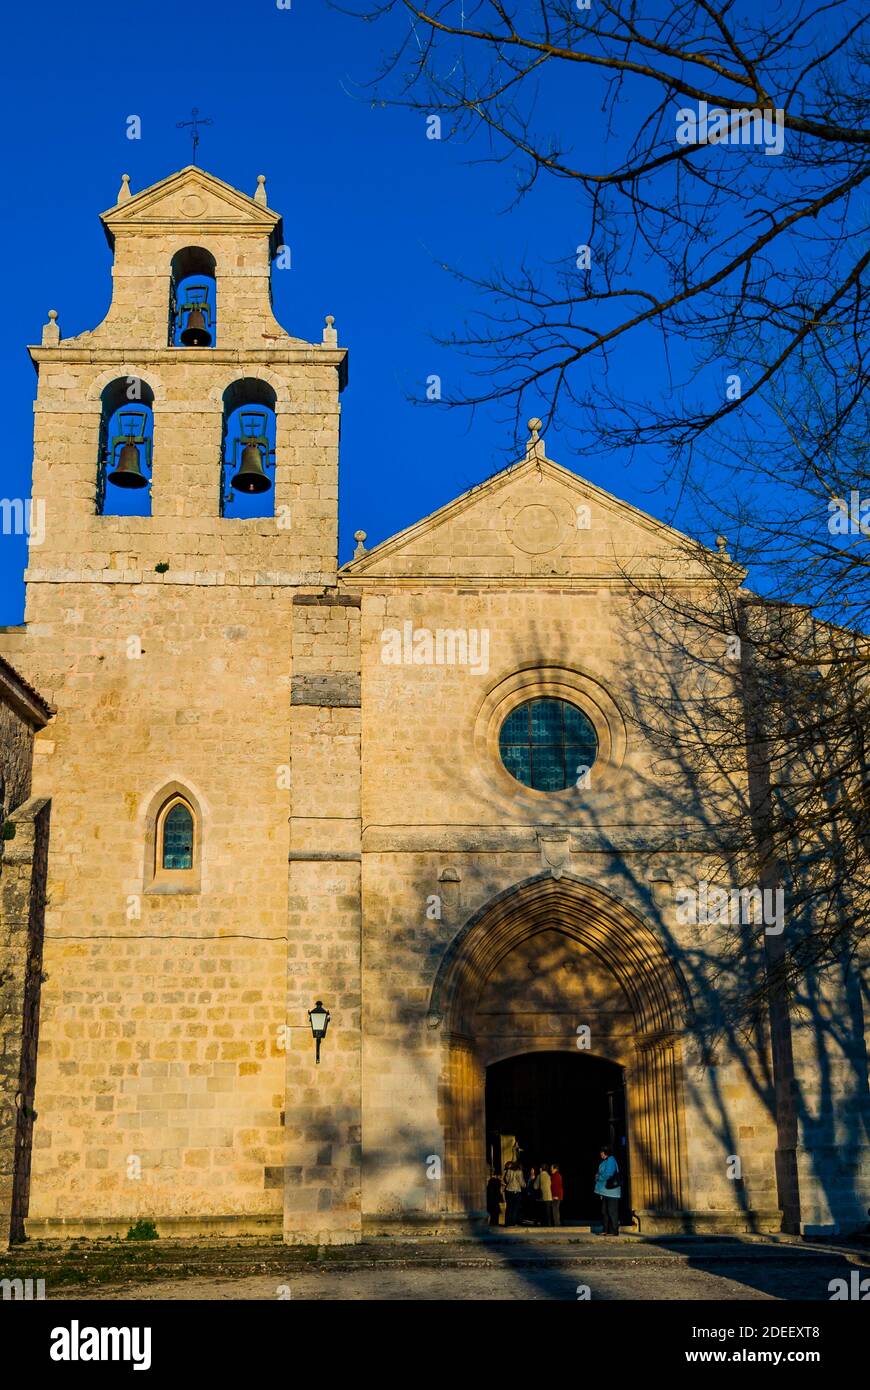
359 537
330 336
535 444
124 194
260 195
722 547
51 330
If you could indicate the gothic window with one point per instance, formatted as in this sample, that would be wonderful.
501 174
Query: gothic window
174 842
548 745
124 448
192 299
248 450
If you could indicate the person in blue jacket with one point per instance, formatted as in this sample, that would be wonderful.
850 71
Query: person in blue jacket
608 1191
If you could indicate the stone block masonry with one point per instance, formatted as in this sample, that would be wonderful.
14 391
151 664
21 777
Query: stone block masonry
323 1174
22 909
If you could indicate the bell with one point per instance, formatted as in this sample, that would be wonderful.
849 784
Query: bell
128 473
251 476
196 334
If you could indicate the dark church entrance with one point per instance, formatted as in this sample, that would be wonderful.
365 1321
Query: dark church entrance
559 1107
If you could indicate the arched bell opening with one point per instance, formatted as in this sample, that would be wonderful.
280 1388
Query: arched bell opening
193 299
248 449
124 457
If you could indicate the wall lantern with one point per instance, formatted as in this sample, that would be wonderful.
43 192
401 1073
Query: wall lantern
318 1017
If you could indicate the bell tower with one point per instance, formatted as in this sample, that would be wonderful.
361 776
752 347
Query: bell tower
186 467
188 372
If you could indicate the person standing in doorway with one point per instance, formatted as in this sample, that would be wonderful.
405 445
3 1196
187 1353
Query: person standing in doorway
513 1191
530 1198
544 1189
558 1190
609 1190
494 1197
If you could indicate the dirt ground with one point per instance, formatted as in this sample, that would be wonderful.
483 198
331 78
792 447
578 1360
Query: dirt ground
734 1282
500 1267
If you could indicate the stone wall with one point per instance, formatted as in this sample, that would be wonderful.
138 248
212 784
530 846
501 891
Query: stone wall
23 860
22 908
22 712
323 1157
161 1078
16 759
444 824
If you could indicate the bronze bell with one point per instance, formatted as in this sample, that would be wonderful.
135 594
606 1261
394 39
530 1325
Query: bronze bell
251 476
196 334
128 473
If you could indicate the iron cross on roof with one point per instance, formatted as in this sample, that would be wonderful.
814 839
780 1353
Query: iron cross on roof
195 122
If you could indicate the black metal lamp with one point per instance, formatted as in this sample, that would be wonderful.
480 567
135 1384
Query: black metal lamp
318 1017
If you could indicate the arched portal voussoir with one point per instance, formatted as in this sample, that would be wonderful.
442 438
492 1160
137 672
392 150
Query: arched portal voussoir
625 944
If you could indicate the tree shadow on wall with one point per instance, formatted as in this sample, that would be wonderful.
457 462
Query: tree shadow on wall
681 812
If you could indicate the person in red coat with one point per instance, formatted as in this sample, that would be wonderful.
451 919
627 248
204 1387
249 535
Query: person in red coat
558 1192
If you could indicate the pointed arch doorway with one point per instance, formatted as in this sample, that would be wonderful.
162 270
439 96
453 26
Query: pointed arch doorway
560 968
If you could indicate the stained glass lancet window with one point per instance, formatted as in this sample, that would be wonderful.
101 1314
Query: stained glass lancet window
546 744
178 838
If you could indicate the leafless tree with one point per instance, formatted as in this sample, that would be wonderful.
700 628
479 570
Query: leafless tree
739 262
752 258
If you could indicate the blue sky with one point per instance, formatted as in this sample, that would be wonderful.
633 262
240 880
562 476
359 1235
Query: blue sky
372 210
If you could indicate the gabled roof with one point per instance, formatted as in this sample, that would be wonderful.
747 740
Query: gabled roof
192 198
23 697
533 519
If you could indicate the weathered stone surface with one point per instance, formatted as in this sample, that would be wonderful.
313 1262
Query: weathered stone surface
339 691
22 919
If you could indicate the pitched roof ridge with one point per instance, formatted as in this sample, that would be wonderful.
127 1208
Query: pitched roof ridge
12 674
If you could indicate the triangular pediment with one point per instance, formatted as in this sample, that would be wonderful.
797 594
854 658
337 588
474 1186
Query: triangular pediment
191 198
534 519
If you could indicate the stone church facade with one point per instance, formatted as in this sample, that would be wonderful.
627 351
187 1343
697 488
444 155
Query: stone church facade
275 782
